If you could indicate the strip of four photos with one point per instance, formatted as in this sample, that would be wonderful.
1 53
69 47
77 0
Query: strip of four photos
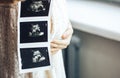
33 28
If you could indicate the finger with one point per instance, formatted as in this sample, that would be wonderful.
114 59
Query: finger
53 53
52 45
61 46
60 42
54 50
67 33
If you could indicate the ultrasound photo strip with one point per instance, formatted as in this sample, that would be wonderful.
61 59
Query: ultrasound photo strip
33 35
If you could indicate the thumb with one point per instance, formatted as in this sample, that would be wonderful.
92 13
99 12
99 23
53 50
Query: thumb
66 34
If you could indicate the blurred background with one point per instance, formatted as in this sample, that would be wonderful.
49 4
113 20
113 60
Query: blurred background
94 51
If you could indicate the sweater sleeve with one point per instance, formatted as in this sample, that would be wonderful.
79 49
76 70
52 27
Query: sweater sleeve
60 17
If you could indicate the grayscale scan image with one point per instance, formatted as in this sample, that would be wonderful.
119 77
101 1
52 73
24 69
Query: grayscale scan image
31 32
34 8
34 57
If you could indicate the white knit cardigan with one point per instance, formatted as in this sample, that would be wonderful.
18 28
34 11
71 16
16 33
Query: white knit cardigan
60 23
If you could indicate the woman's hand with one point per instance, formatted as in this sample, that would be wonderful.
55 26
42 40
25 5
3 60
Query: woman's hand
58 44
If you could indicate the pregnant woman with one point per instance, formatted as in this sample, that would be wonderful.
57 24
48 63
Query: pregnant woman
61 32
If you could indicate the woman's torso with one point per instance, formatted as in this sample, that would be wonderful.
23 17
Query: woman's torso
59 25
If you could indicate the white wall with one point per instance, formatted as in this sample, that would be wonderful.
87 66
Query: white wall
99 57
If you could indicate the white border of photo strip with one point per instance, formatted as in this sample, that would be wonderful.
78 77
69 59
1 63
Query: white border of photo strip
36 44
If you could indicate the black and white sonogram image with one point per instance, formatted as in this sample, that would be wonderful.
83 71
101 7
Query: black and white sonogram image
31 32
33 8
34 57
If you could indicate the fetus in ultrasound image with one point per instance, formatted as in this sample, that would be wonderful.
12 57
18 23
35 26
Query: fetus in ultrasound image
35 8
